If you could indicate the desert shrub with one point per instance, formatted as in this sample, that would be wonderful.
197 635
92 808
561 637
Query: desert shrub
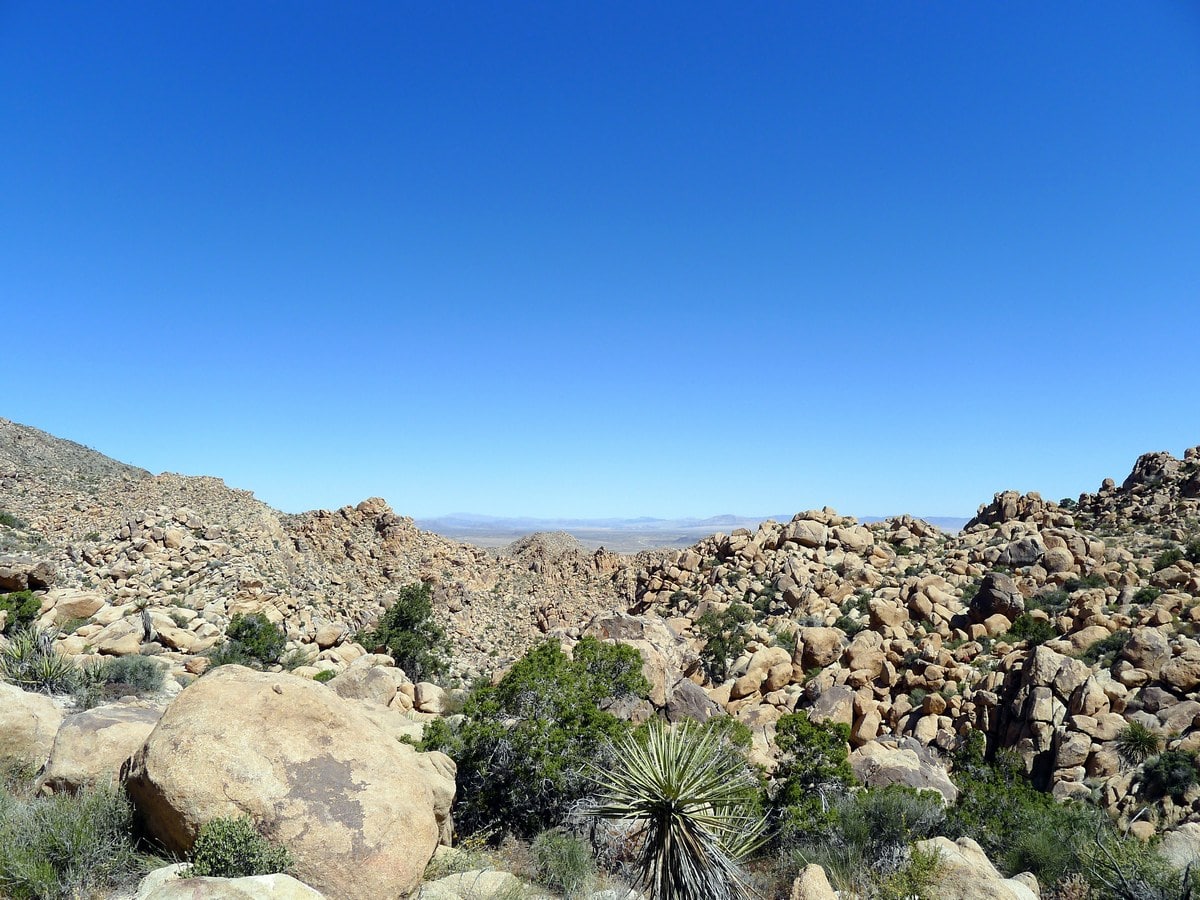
66 845
725 638
8 520
233 848
1127 869
1032 630
1170 774
22 608
407 632
32 662
867 848
1136 743
692 806
563 862
1092 580
524 744
250 640
1106 646
325 675
814 772
849 625
117 677
143 674
1019 827
1052 602
1192 551
1167 558
1145 596
915 879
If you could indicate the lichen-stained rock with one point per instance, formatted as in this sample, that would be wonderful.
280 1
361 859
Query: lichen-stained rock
355 807
92 745
28 723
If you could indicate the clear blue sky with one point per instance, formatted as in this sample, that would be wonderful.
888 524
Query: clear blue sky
605 258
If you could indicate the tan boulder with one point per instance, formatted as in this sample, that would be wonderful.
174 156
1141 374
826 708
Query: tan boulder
355 808
1183 672
73 604
373 677
328 635
171 883
1147 649
821 646
472 884
905 762
1181 847
28 724
812 884
967 874
122 638
92 745
1058 560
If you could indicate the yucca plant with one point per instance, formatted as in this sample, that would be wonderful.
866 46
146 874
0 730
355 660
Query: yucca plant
692 805
32 662
1136 743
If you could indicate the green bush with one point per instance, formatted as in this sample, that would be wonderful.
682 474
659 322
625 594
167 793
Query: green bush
114 678
22 608
1019 827
32 662
1052 602
325 675
1122 868
1106 646
866 847
1093 580
1192 551
850 626
563 863
1145 596
1167 558
1170 774
8 520
233 848
66 845
524 744
1032 630
725 639
407 632
814 772
250 640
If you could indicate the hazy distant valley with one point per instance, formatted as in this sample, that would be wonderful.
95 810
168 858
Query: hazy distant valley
615 535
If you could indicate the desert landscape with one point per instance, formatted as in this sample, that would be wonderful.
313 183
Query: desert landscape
981 691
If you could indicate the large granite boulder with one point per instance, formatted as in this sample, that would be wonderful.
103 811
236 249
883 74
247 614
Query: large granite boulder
28 724
907 762
91 746
171 883
356 808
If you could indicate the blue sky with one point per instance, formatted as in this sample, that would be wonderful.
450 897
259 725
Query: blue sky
615 258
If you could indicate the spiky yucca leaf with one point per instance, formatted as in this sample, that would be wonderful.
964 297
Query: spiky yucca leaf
33 663
692 801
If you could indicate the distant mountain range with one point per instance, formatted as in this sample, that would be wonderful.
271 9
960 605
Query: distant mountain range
622 535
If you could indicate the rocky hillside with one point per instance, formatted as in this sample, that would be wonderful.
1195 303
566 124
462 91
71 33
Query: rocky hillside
129 537
1049 628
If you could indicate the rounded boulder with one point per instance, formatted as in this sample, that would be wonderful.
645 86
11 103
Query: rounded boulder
356 808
